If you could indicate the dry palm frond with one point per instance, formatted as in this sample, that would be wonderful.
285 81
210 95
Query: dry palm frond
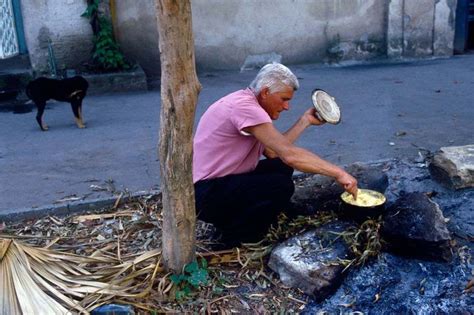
77 263
21 293
42 281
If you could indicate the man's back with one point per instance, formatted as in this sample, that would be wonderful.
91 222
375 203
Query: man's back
220 146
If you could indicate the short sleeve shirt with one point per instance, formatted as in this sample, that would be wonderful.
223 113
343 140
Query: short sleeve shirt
220 145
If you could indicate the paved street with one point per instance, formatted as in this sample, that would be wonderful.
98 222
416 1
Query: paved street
388 110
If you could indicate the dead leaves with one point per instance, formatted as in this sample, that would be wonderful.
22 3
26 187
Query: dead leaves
83 261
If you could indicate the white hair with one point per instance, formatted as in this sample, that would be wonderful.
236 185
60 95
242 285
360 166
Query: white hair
274 76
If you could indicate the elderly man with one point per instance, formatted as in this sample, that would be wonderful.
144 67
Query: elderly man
237 192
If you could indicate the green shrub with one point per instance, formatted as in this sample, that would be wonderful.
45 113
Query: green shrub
106 54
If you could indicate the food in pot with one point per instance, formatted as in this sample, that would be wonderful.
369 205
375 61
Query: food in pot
365 198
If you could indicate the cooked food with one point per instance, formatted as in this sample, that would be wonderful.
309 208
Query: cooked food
365 198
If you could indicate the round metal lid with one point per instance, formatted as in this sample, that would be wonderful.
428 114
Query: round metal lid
326 107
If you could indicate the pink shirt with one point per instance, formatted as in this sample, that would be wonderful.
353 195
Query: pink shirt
220 146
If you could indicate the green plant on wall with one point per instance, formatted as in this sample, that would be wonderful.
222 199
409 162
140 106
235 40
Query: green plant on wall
105 54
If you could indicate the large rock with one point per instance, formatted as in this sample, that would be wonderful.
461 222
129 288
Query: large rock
310 261
454 166
320 192
415 226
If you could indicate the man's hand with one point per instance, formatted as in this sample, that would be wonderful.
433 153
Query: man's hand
349 183
310 115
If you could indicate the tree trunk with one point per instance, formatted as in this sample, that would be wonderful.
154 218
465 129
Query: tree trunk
179 91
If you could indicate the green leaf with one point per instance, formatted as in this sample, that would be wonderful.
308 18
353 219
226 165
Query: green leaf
185 291
191 267
180 295
198 278
177 279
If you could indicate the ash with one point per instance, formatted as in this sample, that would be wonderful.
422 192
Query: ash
400 285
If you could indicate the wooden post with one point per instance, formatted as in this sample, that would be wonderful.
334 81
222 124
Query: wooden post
179 91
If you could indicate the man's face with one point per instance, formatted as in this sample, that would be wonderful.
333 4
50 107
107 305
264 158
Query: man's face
276 102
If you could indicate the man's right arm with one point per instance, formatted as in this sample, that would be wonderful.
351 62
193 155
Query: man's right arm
299 158
292 134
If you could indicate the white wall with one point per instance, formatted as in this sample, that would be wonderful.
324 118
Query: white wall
299 30
228 31
59 21
137 33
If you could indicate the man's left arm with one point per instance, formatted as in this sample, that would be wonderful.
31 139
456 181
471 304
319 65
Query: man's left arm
292 134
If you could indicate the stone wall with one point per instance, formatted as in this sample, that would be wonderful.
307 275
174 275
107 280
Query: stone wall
58 22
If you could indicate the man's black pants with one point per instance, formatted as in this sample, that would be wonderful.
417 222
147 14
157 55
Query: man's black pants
242 207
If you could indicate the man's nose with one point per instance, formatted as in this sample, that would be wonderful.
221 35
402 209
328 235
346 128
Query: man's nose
286 105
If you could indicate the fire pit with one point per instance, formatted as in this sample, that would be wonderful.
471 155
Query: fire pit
429 278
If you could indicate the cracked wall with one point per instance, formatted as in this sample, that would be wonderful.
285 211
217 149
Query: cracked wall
420 28
227 32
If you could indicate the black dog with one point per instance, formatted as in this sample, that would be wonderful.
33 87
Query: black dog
72 90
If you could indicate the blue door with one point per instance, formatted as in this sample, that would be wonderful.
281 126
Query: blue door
8 38
12 40
19 26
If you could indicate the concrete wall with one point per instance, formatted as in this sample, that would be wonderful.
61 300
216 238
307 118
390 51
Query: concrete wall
137 33
226 32
421 28
60 22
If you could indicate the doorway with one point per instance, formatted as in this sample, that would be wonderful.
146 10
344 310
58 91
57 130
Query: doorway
464 32
470 38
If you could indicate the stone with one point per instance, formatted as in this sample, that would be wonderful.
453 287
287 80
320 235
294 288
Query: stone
113 309
369 176
253 62
454 166
309 261
415 226
318 192
313 193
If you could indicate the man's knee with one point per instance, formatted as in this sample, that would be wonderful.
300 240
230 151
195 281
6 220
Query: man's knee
284 187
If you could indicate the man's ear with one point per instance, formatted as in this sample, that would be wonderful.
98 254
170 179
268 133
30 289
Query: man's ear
265 92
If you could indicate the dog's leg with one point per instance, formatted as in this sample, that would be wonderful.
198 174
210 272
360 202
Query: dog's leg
39 115
80 113
76 109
